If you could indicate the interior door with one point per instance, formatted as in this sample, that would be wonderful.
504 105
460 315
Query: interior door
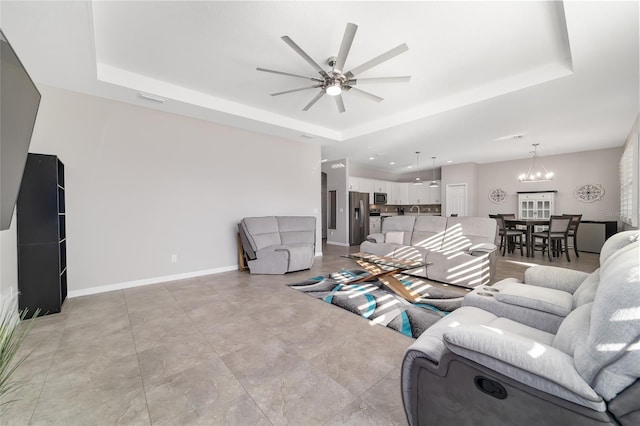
456 199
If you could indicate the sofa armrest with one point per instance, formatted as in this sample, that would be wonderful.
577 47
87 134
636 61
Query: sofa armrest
482 249
554 277
375 238
535 364
543 299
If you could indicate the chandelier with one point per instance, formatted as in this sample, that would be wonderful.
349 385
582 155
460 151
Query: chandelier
536 175
417 181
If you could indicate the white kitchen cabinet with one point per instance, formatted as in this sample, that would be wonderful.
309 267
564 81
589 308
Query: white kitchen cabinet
419 194
399 193
434 194
367 185
381 186
353 184
375 224
404 193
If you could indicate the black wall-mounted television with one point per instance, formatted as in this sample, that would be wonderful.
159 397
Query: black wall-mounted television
19 102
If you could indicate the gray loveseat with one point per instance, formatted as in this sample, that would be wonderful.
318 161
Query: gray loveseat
549 293
476 368
278 244
461 250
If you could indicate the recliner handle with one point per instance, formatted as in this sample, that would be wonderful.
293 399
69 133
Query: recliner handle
490 387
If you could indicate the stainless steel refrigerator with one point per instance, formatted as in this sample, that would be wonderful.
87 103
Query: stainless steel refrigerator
358 217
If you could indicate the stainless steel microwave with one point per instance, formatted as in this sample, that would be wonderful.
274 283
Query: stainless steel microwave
379 198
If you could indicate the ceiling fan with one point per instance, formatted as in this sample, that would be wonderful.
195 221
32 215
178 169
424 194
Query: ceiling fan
334 81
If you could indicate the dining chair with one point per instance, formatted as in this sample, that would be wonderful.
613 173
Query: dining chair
555 237
508 237
573 230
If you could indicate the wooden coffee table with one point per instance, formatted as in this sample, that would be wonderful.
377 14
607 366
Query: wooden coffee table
383 268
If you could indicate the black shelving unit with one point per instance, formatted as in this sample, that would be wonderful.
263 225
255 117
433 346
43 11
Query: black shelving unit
41 229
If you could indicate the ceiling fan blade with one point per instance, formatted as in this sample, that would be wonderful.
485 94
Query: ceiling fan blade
304 55
355 81
288 73
314 100
377 60
297 90
345 46
340 103
366 94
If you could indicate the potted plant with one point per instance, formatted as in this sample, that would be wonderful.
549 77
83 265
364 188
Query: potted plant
12 334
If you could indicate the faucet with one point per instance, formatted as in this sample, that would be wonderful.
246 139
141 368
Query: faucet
417 207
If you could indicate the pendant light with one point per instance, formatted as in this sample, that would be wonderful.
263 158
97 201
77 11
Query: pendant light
533 174
434 183
417 181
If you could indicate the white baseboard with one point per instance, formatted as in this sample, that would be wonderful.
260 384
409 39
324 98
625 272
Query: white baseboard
147 281
335 243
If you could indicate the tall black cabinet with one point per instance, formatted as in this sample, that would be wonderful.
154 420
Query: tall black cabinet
42 254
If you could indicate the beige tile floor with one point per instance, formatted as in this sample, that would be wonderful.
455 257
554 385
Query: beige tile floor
225 349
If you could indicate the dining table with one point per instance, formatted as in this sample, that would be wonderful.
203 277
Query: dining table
530 224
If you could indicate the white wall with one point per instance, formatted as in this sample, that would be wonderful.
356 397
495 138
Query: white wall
571 171
142 185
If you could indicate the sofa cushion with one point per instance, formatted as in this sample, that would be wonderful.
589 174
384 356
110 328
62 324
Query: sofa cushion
401 224
300 256
396 237
484 297
459 268
380 249
428 232
297 229
538 298
463 232
587 290
616 242
262 231
430 342
609 359
574 329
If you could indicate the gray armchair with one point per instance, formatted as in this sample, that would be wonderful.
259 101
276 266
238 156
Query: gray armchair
278 244
476 368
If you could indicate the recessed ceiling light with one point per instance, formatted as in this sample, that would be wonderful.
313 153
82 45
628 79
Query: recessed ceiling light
449 161
324 160
392 163
372 158
409 167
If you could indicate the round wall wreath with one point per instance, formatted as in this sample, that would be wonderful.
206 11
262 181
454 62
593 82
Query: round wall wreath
497 195
589 192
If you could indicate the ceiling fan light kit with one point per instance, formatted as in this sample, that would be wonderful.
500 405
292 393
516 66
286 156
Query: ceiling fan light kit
335 82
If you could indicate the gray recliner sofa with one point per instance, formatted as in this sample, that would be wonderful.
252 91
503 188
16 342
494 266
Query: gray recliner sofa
278 244
460 250
548 293
473 367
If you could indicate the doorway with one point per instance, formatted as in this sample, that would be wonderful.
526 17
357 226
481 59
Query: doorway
456 199
323 204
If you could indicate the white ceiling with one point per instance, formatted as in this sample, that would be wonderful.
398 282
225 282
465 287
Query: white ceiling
564 75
